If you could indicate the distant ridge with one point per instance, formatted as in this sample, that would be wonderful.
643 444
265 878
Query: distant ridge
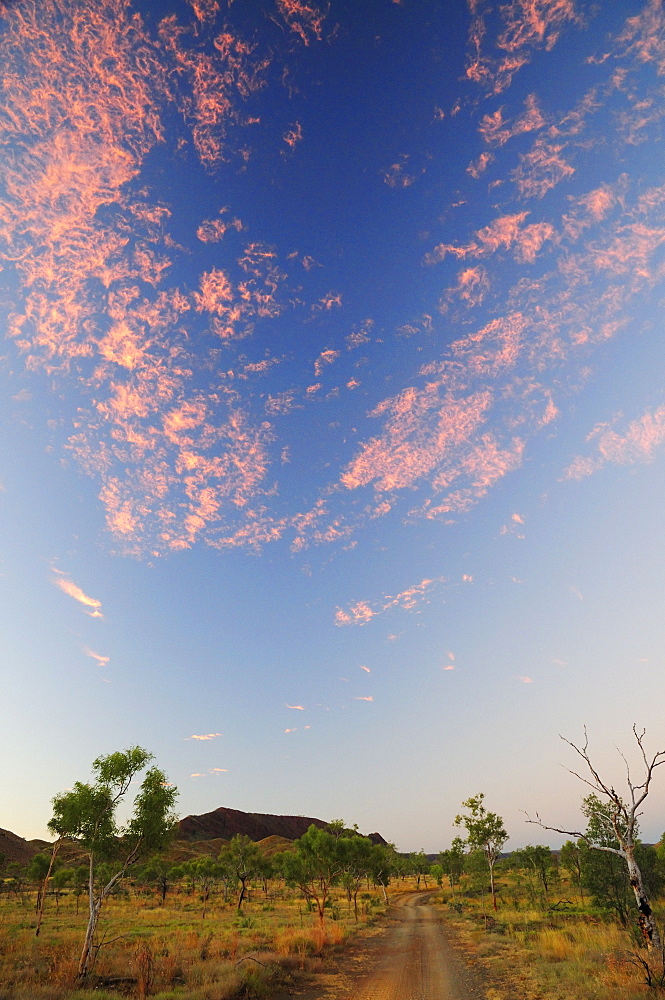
225 823
15 848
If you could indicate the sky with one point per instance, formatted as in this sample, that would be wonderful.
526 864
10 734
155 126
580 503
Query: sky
333 412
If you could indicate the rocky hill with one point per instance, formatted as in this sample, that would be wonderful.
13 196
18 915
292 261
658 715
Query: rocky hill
225 823
15 848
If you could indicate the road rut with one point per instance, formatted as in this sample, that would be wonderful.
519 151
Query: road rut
418 962
413 959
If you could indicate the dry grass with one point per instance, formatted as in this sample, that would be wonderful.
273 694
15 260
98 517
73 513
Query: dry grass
540 955
169 952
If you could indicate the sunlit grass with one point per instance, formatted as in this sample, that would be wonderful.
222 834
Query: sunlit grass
170 952
534 953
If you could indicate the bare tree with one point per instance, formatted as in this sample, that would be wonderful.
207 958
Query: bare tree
623 818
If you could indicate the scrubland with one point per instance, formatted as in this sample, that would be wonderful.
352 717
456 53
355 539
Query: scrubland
549 953
169 951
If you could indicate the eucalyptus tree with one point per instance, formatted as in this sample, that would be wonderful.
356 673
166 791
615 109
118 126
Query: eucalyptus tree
617 822
88 814
484 832
242 857
315 866
452 861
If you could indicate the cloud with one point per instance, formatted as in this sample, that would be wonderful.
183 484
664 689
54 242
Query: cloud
304 19
73 590
301 708
218 770
479 166
643 36
290 730
505 233
496 130
397 175
541 169
366 669
362 612
197 774
207 736
525 680
644 436
364 698
527 25
293 135
101 661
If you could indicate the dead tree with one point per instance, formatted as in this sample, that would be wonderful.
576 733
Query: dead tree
623 817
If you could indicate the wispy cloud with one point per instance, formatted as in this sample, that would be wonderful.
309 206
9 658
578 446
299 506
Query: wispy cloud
644 436
363 612
300 708
368 697
73 590
206 736
101 661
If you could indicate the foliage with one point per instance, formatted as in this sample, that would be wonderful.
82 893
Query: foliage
88 814
485 831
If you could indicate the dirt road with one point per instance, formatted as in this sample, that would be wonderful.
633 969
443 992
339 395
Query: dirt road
412 960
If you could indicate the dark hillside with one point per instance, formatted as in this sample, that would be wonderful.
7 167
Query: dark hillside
225 823
15 848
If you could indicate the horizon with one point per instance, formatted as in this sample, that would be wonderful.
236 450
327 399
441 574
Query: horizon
334 417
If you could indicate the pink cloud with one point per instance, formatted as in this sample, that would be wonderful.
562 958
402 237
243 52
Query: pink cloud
642 439
73 590
101 661
541 169
362 612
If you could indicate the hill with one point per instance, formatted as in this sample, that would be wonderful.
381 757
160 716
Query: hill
15 848
225 823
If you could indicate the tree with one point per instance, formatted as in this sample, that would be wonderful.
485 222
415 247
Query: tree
452 862
87 814
358 862
619 819
570 858
485 832
159 872
203 872
539 863
315 866
242 858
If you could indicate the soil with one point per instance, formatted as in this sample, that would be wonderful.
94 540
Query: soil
414 957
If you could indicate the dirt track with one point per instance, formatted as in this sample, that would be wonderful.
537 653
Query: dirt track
412 960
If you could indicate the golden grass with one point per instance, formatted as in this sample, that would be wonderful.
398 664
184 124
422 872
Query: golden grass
536 954
169 952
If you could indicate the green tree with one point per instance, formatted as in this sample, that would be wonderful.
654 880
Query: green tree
452 862
203 873
570 858
242 857
485 832
315 866
88 814
420 866
358 863
157 871
539 863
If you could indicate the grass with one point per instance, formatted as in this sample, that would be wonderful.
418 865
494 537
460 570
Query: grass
169 952
543 954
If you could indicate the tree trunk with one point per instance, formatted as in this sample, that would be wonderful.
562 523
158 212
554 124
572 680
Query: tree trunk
492 886
94 906
646 920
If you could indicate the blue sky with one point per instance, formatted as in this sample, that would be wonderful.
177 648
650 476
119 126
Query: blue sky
332 465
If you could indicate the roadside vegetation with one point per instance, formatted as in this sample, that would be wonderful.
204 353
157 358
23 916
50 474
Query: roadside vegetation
216 920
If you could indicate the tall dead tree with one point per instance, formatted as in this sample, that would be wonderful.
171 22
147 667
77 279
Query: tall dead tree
623 817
